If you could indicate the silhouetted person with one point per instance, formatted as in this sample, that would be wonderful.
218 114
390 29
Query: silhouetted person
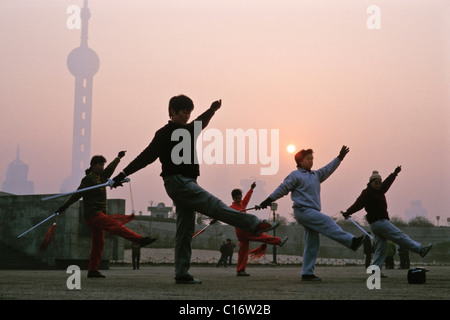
95 215
135 255
180 170
223 254
231 246
373 200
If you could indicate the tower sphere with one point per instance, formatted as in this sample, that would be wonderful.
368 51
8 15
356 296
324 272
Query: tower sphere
83 62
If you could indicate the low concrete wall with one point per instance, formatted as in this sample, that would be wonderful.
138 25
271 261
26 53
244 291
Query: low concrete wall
72 241
213 235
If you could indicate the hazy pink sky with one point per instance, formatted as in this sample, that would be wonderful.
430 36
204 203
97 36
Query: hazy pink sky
312 69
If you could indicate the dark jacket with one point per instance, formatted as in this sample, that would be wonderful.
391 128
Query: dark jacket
162 146
373 201
95 200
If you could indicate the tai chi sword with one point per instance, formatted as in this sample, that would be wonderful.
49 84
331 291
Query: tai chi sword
108 183
360 228
55 214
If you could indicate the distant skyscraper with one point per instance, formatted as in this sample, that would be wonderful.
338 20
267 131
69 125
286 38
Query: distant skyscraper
83 63
16 181
416 210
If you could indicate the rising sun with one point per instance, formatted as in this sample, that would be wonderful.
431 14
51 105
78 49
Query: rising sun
291 148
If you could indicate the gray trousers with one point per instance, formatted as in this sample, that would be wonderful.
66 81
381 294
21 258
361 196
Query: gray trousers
384 230
189 198
315 223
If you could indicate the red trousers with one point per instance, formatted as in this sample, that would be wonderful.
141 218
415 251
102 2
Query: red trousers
244 245
98 225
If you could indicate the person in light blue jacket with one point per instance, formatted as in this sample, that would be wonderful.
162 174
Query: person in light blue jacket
304 186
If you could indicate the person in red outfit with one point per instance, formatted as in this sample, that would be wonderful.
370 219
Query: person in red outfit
245 237
95 214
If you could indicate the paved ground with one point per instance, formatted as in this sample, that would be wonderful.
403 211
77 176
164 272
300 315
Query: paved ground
272 292
265 283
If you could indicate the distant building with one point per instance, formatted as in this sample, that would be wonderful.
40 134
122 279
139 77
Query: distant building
83 63
17 178
416 210
160 211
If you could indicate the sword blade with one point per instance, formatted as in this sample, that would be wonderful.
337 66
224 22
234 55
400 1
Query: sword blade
200 231
24 233
101 185
75 192
360 228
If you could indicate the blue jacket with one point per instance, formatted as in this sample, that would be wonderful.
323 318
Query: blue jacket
305 185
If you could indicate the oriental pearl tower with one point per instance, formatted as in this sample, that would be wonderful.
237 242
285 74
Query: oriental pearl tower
83 63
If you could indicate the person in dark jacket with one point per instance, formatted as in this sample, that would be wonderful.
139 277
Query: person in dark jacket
135 255
175 146
231 246
223 254
373 200
95 205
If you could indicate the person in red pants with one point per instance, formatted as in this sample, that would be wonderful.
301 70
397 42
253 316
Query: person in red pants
95 205
245 237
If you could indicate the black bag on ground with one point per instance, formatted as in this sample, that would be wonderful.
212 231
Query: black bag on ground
417 275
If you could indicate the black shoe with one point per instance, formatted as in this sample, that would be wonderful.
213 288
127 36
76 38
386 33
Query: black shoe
188 280
146 241
424 250
283 241
242 274
357 242
310 277
95 274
